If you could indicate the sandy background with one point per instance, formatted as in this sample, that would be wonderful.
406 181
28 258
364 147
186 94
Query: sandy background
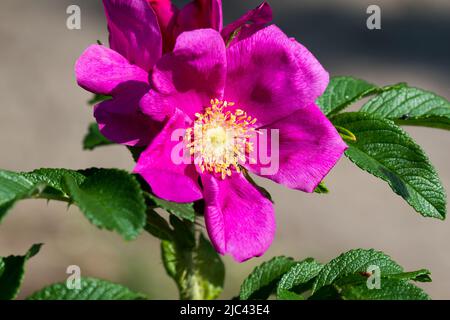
43 117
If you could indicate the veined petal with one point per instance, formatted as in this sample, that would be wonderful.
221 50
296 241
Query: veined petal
120 119
318 77
309 147
101 70
169 178
134 31
239 220
248 24
191 76
270 76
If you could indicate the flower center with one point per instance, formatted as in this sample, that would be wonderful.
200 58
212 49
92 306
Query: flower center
220 139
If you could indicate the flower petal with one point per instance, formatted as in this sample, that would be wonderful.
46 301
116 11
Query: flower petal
120 119
134 31
159 106
248 24
167 14
239 220
200 14
189 77
101 70
309 147
168 179
318 77
270 76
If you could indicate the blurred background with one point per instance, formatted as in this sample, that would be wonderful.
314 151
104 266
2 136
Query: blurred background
44 116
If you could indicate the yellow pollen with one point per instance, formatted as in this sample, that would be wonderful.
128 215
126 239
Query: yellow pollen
219 139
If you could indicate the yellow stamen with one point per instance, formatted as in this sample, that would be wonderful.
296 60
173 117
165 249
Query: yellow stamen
219 139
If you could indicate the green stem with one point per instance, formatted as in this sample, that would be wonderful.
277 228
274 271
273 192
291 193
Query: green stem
191 292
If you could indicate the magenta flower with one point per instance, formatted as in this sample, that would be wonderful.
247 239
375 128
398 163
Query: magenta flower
209 85
273 81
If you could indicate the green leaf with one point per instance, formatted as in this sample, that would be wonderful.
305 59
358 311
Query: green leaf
283 294
51 181
39 184
321 189
299 274
349 276
98 98
346 134
181 210
264 278
13 187
198 271
353 262
326 293
390 289
184 233
94 138
158 226
386 151
343 91
91 289
411 106
422 275
12 271
111 199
